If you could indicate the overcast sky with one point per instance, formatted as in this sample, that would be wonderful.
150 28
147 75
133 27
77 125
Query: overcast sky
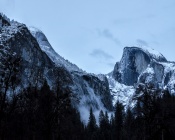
93 33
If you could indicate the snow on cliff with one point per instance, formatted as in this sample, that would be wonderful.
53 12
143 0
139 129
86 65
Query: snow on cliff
121 92
155 54
47 48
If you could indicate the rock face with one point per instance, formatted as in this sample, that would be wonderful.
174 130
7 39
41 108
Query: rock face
90 88
4 21
140 65
47 48
40 62
134 61
36 66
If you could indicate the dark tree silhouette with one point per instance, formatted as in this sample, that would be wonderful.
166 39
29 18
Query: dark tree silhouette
119 120
92 126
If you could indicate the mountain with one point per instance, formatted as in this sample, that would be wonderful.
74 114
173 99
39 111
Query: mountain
140 66
47 48
40 62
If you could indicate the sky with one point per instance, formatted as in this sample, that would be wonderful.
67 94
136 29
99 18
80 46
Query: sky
93 33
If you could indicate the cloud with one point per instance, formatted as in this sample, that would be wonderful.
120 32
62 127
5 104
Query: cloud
98 53
107 34
141 42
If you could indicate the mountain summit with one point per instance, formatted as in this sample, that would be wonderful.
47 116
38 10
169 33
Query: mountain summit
134 62
140 66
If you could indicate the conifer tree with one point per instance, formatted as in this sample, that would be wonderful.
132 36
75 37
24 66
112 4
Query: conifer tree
92 125
107 120
101 119
119 119
128 124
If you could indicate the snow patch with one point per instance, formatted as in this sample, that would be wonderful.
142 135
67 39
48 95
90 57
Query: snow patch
155 54
121 92
102 77
169 66
149 70
150 74
8 32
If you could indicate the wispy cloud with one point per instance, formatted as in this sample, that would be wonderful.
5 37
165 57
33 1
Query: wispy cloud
98 53
133 19
108 34
141 42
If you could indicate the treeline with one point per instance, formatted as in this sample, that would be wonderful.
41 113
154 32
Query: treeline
39 115
152 118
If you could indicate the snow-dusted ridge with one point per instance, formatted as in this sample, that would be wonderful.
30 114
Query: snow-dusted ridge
90 89
153 54
47 48
10 28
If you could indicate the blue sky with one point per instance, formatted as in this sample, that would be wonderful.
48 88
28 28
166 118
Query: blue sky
93 33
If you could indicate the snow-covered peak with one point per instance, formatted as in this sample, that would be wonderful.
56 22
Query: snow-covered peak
151 53
155 54
140 65
34 30
47 48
